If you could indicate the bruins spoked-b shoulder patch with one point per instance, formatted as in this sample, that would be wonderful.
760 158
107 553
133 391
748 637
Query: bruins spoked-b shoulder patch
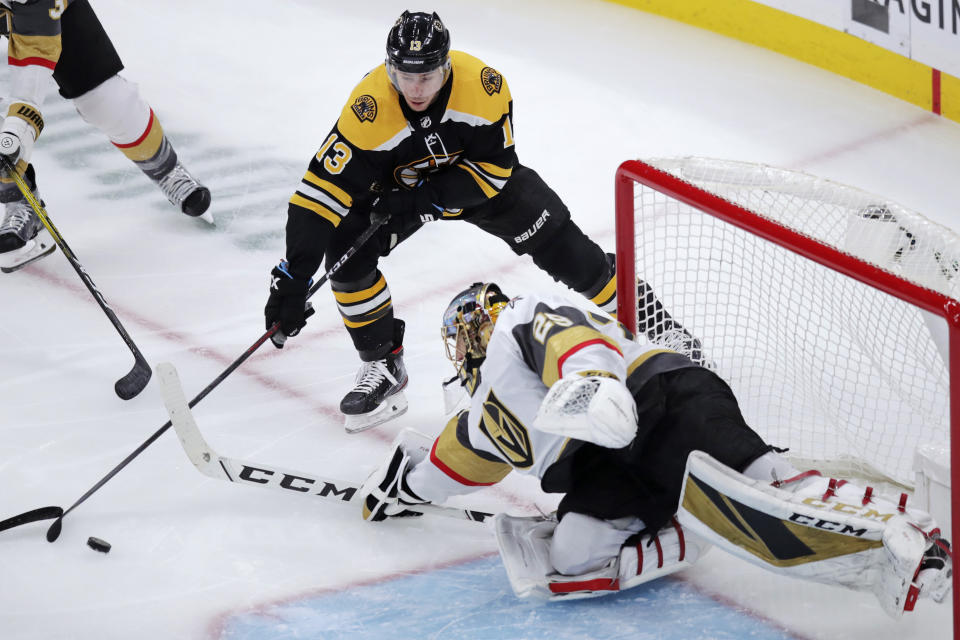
365 108
491 79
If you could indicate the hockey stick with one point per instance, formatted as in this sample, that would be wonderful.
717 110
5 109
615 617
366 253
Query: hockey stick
134 382
43 513
54 531
215 465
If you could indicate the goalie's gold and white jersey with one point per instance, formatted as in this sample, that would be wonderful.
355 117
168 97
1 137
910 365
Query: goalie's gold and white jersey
536 341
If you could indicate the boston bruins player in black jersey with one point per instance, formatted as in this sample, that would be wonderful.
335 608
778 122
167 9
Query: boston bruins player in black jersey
632 433
428 135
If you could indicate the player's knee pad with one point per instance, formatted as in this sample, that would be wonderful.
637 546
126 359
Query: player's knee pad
116 108
570 257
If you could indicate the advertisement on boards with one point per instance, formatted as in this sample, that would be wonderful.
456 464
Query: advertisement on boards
927 31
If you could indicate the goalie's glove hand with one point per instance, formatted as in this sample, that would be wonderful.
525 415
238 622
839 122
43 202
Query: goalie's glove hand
595 409
385 493
287 304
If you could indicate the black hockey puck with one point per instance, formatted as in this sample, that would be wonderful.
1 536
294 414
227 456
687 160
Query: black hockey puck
98 545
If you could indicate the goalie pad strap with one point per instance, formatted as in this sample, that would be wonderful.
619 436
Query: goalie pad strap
656 541
597 584
683 543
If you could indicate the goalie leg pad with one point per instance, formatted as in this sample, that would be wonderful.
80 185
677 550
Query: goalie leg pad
527 546
821 530
524 544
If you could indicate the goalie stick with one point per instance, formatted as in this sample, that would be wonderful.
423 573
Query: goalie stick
137 378
215 465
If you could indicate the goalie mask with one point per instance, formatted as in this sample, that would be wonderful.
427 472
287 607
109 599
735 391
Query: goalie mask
468 323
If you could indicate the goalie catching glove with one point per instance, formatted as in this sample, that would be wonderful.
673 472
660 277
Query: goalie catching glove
385 494
596 409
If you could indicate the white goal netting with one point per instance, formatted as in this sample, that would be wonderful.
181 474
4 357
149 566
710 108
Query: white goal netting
826 365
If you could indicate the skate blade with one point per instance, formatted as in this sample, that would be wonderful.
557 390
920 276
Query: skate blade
393 406
35 249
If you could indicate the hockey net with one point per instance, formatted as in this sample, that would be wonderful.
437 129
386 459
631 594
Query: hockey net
831 312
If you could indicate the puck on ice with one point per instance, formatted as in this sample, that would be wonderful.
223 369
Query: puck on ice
98 545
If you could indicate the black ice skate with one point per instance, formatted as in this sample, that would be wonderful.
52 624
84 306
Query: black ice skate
184 191
21 240
660 327
378 394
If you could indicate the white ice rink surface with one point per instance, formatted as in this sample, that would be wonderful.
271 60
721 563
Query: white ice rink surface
247 91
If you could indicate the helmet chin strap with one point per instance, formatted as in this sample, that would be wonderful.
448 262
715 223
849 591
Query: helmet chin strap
469 373
473 362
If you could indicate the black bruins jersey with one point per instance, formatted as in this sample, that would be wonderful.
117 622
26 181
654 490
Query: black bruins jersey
536 341
460 149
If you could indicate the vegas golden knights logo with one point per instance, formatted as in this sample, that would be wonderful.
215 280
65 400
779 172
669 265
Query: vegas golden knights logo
365 108
491 79
506 433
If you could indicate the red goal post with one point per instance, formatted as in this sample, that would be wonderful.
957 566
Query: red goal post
832 312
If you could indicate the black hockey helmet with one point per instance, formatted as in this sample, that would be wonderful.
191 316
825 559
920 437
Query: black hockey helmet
418 43
468 322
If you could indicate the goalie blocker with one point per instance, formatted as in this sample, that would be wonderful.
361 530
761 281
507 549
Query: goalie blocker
819 529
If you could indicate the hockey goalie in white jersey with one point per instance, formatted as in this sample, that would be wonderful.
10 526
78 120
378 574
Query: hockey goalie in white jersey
654 459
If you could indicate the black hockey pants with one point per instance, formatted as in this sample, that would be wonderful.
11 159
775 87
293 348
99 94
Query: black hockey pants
528 215
679 411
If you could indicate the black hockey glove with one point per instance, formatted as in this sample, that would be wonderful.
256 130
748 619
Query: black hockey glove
287 304
407 207
403 212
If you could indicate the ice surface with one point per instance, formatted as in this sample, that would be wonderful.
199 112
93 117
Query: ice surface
247 92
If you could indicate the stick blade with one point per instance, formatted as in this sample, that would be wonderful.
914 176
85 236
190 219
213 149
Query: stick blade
130 385
196 448
54 531
35 515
